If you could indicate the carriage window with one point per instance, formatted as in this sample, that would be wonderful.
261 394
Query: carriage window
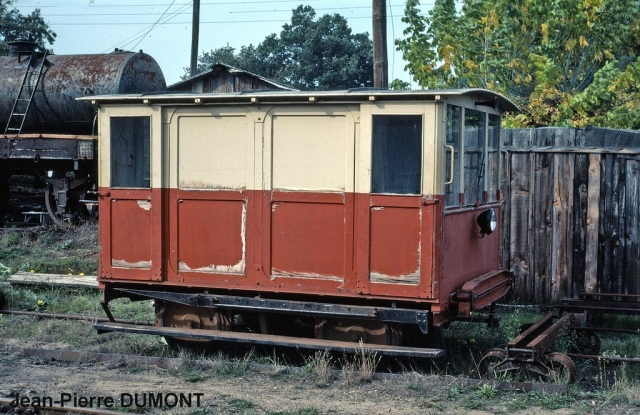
453 129
493 157
474 160
130 152
396 154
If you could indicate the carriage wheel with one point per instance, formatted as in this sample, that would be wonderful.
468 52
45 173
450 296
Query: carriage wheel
52 205
488 366
355 330
561 368
187 318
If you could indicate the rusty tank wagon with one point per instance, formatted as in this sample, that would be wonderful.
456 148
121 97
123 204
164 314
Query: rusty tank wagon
47 132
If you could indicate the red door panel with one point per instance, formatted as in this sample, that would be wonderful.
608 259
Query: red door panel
129 244
395 244
211 236
307 239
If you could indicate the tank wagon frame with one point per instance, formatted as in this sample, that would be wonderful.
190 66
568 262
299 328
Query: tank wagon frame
50 134
309 219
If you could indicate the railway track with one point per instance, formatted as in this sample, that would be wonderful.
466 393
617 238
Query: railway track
173 362
71 317
166 362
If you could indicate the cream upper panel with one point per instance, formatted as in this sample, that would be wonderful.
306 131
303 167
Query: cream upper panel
309 148
213 152
209 148
316 147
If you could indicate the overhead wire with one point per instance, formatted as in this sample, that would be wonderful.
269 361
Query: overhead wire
154 25
137 35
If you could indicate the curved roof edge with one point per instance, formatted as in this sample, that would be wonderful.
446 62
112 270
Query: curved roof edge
485 97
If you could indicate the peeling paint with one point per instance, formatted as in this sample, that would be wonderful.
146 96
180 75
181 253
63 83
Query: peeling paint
121 263
144 204
275 273
200 185
412 279
219 269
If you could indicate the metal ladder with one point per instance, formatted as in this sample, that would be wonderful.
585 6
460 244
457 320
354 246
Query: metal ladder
25 94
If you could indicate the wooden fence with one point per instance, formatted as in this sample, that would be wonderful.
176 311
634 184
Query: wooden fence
572 212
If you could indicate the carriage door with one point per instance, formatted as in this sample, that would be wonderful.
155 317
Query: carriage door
211 174
130 242
400 219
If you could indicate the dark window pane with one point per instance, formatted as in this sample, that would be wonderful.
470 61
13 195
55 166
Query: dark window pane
130 152
397 154
474 160
453 129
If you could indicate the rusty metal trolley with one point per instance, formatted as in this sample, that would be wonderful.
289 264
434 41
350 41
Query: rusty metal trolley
531 351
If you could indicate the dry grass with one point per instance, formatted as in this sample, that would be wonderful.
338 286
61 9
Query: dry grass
361 367
321 367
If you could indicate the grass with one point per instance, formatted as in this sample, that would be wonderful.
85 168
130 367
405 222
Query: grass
320 365
61 250
359 367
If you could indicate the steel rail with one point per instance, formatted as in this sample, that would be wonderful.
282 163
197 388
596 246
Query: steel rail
72 317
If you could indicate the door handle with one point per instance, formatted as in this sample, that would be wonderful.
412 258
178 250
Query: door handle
451 165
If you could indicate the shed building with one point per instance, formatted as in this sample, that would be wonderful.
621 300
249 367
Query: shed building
225 78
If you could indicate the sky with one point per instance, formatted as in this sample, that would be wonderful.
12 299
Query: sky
162 28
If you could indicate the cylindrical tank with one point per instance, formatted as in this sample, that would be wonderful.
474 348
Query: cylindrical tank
54 109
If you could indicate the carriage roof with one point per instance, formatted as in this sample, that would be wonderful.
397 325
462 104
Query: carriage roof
482 96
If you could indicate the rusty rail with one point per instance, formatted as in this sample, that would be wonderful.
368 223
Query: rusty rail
72 317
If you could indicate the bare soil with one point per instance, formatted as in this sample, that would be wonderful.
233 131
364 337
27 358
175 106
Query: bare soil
273 392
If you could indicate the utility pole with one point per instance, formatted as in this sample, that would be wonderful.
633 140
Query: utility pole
195 33
380 63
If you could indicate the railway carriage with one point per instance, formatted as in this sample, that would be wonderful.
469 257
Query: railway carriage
314 219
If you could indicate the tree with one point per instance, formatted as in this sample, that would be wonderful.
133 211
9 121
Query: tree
32 26
309 54
543 54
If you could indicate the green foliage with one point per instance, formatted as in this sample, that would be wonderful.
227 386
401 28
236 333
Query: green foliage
486 391
612 99
309 54
399 85
13 24
543 54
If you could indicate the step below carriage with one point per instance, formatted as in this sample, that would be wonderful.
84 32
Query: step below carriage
307 219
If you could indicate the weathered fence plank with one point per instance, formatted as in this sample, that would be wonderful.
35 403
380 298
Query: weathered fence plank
571 221
631 282
520 224
580 186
